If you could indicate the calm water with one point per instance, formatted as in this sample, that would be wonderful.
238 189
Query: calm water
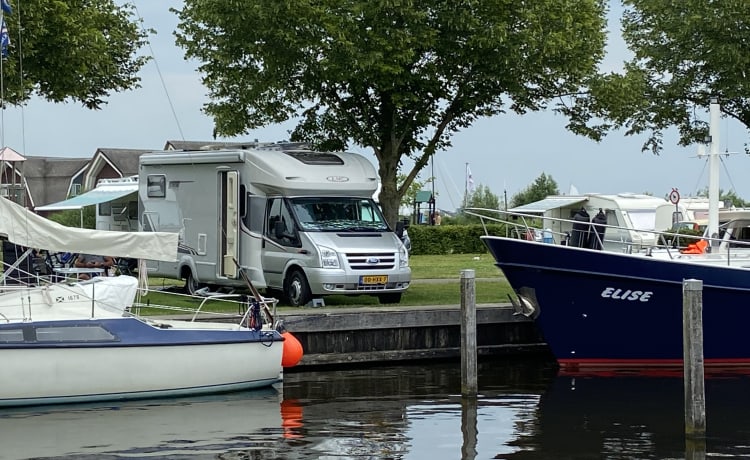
524 411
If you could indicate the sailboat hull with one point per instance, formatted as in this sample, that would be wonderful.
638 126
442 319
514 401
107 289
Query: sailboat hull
127 359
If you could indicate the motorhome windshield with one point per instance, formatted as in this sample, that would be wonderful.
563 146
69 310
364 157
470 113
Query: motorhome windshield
338 214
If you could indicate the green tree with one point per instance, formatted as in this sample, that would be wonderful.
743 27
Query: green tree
729 198
685 52
415 187
398 77
481 198
542 187
72 50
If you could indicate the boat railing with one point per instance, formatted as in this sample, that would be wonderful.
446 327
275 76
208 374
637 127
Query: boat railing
670 244
222 304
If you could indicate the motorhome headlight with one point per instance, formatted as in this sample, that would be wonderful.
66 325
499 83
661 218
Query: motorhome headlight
328 257
403 257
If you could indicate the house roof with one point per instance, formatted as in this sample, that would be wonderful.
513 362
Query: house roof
124 160
48 179
8 154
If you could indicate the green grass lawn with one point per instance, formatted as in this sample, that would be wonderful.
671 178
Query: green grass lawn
490 285
450 266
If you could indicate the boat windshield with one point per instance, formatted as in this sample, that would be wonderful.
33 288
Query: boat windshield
335 214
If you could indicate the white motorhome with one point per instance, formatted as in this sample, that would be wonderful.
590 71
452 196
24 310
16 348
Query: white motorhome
300 223
639 217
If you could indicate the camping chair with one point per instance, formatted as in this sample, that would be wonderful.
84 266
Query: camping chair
126 266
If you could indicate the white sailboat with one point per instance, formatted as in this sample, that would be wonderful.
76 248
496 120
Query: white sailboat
80 341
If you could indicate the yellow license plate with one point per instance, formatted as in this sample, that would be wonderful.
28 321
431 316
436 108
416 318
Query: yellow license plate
373 279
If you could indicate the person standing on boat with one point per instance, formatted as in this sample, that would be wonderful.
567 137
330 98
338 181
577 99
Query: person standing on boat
581 229
93 261
596 236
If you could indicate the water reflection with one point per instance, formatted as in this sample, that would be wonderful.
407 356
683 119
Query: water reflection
523 411
637 417
197 427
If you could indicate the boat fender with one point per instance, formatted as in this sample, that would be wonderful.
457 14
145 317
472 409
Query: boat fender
292 353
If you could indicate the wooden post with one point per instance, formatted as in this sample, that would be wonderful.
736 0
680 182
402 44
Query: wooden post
468 334
469 428
692 343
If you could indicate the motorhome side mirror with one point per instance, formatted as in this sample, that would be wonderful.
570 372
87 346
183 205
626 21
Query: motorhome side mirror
400 228
278 229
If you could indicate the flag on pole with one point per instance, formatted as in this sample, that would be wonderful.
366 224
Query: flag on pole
4 39
6 6
469 179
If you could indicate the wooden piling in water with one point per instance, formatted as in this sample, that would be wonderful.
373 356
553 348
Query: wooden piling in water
469 385
692 342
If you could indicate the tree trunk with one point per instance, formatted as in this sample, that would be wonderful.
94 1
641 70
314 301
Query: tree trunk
390 196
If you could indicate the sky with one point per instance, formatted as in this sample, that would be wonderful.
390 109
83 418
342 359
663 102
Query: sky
505 153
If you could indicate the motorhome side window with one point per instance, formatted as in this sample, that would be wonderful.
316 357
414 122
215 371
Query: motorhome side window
156 185
254 213
280 223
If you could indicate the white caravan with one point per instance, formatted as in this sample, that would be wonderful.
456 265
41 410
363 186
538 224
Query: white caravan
637 217
116 202
120 213
301 223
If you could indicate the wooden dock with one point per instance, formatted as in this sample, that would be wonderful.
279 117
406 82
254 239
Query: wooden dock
350 336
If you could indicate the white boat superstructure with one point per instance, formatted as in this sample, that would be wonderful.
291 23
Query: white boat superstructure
730 247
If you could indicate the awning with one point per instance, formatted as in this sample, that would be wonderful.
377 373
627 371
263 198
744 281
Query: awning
553 202
92 197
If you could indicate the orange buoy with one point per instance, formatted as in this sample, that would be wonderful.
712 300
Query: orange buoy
292 353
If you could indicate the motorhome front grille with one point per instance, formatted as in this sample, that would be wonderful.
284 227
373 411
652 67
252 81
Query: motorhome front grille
369 261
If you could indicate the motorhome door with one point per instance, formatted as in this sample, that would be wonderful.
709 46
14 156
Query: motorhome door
229 242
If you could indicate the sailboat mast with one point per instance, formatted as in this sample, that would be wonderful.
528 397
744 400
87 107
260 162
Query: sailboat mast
713 170
466 186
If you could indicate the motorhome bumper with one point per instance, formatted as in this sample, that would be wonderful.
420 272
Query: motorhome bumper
352 283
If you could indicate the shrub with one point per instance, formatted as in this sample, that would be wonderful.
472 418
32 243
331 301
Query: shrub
450 239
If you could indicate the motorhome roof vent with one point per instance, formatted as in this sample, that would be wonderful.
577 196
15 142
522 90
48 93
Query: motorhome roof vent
316 158
283 146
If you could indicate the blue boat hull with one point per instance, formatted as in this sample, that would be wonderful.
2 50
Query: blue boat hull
599 308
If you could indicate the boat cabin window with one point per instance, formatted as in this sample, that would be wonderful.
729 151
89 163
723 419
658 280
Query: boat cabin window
92 333
11 335
56 334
